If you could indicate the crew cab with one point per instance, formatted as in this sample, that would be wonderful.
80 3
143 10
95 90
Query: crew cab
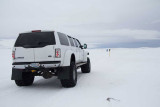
47 54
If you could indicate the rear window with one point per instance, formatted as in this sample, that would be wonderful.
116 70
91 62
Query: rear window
35 39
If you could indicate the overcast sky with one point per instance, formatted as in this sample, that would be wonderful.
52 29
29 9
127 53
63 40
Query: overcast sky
97 22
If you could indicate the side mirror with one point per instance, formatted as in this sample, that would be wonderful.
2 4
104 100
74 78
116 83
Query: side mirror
81 47
85 46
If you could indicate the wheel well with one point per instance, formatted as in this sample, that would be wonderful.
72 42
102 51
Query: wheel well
73 58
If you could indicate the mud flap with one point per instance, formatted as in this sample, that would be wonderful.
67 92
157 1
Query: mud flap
64 73
17 74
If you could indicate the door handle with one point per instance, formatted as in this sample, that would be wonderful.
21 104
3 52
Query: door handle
49 55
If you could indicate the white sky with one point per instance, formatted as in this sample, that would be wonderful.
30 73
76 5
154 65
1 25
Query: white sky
91 21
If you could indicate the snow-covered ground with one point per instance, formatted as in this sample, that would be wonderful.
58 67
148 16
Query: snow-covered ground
126 78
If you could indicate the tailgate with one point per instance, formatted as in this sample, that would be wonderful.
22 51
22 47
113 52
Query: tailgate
34 47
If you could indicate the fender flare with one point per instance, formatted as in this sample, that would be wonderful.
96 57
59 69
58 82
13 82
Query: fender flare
85 56
67 58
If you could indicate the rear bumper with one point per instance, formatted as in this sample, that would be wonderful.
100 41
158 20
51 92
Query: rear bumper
18 74
44 64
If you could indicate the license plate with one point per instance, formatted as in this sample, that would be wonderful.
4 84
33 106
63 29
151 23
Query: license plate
34 65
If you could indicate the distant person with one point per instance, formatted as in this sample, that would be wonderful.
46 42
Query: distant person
107 50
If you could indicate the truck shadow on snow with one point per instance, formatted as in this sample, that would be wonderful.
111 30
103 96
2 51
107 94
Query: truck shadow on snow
51 83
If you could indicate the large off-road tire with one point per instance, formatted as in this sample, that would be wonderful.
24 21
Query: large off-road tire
72 81
87 67
27 79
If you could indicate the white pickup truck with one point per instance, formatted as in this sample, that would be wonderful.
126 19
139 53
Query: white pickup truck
47 54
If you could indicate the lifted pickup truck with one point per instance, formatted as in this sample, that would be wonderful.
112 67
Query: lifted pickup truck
47 54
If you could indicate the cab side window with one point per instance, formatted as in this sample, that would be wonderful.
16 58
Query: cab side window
76 44
63 39
71 41
79 44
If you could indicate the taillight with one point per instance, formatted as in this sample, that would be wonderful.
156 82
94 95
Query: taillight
57 53
13 54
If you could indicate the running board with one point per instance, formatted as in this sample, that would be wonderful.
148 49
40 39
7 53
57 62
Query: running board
79 64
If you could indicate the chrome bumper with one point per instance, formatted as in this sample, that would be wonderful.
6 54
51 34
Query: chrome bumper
24 65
